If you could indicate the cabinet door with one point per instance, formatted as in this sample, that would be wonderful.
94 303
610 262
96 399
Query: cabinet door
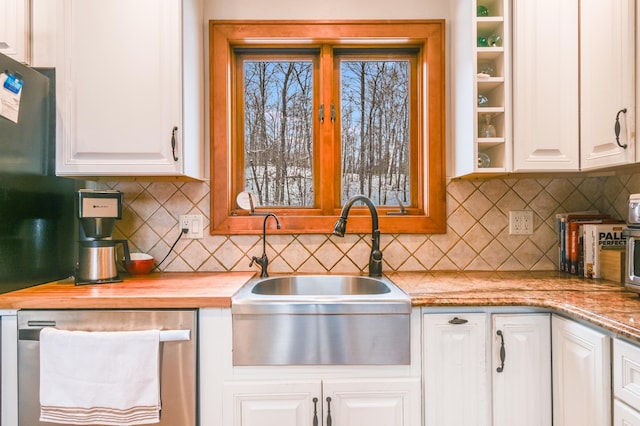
456 388
607 81
623 415
521 370
626 373
545 85
271 403
581 375
120 87
14 29
389 402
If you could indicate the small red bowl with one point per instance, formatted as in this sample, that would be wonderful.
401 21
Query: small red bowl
141 263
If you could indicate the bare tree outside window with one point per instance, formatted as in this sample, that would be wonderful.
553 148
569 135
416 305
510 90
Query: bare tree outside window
374 104
278 133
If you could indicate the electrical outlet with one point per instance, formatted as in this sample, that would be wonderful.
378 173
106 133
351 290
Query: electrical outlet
193 223
521 222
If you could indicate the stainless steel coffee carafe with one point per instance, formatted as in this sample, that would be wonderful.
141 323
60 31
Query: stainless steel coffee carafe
97 260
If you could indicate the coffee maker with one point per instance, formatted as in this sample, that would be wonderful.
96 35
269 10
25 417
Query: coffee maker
98 211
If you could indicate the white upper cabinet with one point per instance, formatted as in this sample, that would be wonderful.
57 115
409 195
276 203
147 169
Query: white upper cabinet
607 82
573 75
129 85
545 85
14 29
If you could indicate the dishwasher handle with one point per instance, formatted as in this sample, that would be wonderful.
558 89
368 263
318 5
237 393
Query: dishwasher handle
165 335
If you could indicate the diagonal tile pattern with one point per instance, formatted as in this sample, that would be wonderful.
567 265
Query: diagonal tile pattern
477 236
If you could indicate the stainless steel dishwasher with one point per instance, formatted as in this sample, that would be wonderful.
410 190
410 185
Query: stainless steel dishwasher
178 356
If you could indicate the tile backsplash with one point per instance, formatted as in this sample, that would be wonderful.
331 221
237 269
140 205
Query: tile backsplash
477 236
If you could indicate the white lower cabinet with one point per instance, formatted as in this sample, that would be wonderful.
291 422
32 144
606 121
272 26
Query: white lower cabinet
456 385
521 370
623 415
389 402
626 383
581 375
472 380
271 403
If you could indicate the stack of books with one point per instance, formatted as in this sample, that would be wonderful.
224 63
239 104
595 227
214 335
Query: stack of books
581 236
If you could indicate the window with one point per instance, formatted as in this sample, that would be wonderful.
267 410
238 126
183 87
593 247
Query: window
305 115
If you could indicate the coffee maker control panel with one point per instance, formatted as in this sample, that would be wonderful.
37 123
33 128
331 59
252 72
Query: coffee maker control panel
99 204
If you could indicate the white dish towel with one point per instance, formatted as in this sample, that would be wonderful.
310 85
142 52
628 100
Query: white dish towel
99 377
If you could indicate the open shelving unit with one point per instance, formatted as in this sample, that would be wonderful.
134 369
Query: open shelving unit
493 85
482 92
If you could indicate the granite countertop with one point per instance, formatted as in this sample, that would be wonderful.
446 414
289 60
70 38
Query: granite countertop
602 303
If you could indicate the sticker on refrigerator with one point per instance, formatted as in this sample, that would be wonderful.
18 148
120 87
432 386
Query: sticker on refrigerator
10 93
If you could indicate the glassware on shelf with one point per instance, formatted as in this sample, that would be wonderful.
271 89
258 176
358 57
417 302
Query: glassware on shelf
482 10
483 41
484 160
483 101
487 130
494 40
486 70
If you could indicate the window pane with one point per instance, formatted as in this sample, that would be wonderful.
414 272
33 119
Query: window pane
374 113
278 132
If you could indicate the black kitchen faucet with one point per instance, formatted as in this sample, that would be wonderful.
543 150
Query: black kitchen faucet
375 258
263 261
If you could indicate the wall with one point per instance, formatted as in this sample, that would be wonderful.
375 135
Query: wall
476 239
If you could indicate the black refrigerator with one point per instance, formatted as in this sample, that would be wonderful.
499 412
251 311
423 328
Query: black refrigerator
38 229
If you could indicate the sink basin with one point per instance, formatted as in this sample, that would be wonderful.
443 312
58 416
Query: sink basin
313 294
320 285
320 319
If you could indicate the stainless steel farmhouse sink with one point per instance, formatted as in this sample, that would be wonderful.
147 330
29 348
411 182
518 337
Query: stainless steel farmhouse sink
321 320
320 285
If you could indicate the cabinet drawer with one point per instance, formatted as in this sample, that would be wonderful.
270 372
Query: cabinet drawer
626 373
624 416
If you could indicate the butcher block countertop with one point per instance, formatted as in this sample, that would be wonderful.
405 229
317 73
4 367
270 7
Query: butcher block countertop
602 303
158 290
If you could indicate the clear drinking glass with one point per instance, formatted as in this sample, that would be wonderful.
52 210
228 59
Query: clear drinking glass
487 130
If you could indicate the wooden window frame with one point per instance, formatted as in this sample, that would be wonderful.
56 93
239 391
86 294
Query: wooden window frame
429 216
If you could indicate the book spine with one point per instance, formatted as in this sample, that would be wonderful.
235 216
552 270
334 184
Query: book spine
589 247
563 244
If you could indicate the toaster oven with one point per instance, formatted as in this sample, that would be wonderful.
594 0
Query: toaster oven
632 233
